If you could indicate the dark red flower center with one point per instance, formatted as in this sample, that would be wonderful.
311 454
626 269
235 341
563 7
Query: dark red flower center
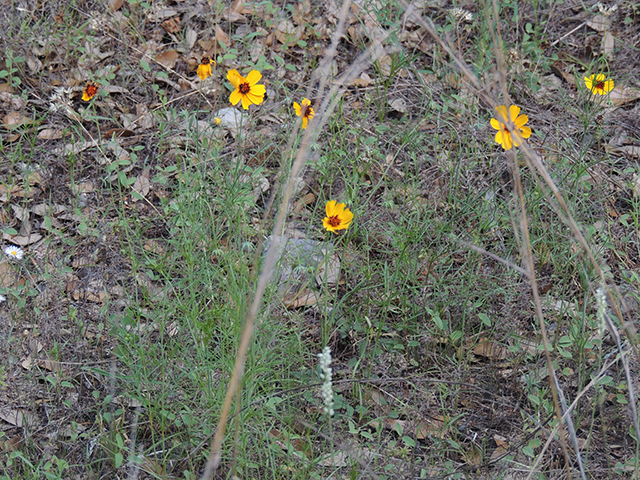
334 221
306 111
91 89
244 88
599 86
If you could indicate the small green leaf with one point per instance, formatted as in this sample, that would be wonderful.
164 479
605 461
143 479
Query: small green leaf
485 319
145 66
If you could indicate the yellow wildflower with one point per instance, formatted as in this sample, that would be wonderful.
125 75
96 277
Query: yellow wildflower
338 217
246 89
305 110
89 91
204 69
598 84
504 137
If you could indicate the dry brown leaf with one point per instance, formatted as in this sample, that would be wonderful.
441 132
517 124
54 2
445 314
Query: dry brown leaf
27 362
489 349
236 11
94 297
621 95
115 5
168 59
7 275
302 12
473 456
144 118
23 240
34 64
287 33
498 453
399 105
18 417
608 43
142 186
172 25
221 36
304 298
51 365
308 199
364 80
599 23
158 13
50 134
15 119
191 37
501 441
43 209
153 246
434 427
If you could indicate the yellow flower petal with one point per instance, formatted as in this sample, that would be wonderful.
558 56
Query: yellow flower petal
235 97
297 108
254 77
258 90
521 120
513 112
235 78
204 71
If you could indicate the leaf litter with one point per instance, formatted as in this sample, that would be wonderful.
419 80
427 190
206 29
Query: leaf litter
33 207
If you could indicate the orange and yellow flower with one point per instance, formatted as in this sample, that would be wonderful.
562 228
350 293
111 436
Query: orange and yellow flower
505 137
599 84
89 91
338 217
246 89
204 69
305 111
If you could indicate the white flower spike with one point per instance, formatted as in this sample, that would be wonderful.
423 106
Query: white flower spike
325 376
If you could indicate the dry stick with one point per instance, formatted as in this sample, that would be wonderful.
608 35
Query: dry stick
497 258
525 246
569 421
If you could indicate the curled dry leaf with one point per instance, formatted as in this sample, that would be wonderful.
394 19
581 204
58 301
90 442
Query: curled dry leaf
489 349
34 64
608 43
15 119
18 417
237 11
221 36
621 95
23 240
142 186
115 5
50 134
599 23
168 59
8 276
287 33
